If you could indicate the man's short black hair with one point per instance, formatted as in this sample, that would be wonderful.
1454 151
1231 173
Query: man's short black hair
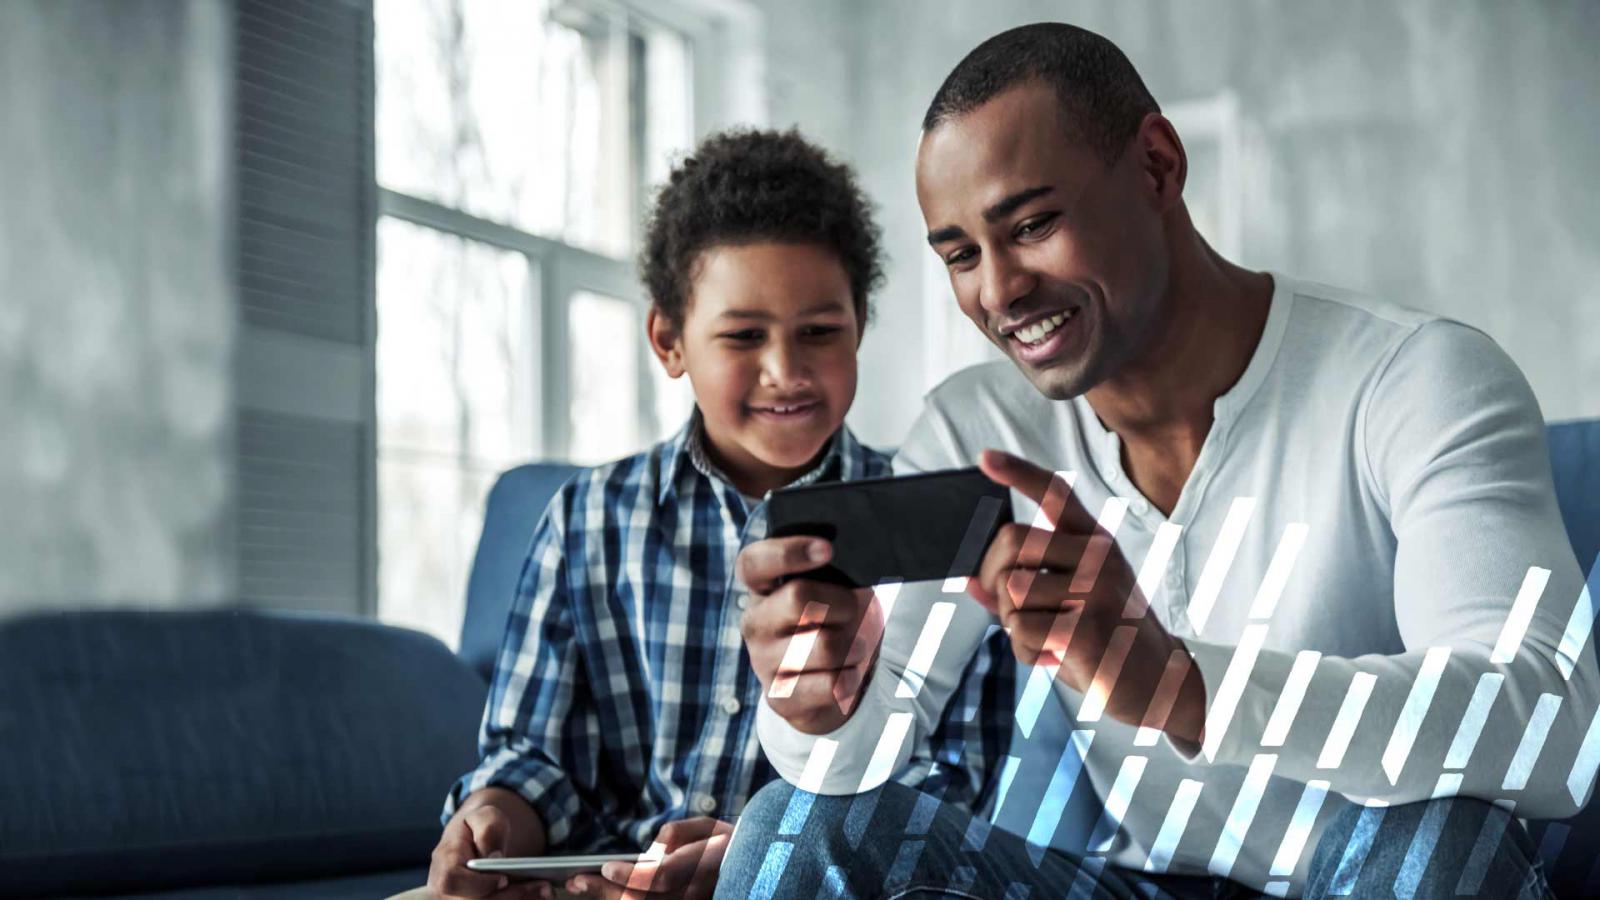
1101 93
744 186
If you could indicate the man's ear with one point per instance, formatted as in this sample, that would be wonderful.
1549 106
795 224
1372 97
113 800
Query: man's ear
1162 160
665 342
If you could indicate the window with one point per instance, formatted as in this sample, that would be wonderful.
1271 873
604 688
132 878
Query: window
515 144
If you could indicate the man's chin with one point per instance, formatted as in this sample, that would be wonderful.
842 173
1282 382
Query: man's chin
1058 382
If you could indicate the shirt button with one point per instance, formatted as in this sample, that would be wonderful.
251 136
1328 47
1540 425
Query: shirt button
1140 506
730 705
1175 579
741 600
705 804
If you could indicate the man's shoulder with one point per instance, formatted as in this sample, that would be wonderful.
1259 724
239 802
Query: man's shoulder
1350 311
1356 328
991 404
985 383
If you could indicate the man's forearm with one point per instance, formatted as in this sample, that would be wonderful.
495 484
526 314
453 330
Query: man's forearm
527 836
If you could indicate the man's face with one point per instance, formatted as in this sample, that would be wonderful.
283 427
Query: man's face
1060 260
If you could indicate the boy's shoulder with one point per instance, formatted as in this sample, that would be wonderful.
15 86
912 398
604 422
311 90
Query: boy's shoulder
598 493
868 462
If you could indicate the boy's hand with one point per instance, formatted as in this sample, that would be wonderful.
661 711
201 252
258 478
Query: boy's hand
811 644
482 831
682 865
1068 598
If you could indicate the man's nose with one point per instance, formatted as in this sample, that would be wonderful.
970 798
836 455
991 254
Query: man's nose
1003 282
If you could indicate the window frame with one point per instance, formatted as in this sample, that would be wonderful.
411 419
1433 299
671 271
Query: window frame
562 269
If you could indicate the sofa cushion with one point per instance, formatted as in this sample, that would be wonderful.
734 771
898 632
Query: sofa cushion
167 748
369 886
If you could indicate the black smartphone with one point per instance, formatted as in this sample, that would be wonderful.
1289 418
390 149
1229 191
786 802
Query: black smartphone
934 525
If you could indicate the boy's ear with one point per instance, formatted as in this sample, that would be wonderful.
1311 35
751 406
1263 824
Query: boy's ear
665 342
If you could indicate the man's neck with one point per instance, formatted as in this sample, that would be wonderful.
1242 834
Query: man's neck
1213 317
1160 404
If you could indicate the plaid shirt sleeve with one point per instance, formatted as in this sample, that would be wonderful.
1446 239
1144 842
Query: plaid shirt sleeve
541 732
960 761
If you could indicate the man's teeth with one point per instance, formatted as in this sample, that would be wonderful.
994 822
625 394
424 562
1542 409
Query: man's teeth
1035 333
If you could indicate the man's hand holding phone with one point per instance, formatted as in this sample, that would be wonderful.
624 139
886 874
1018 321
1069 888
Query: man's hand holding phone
1067 598
812 644
1060 587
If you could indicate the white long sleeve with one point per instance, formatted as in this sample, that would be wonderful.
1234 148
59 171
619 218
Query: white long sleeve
1403 456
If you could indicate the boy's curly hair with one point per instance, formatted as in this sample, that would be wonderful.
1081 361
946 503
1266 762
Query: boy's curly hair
744 186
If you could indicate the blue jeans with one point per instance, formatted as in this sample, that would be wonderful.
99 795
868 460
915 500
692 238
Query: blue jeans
896 842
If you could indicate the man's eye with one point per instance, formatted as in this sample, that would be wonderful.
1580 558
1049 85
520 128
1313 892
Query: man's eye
1036 225
965 254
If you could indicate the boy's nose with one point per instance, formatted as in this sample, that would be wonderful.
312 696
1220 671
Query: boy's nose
784 366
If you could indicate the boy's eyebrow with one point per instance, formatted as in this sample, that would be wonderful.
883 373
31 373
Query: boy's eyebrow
827 306
994 213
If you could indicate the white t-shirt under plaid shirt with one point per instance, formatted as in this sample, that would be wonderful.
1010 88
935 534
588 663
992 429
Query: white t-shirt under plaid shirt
623 697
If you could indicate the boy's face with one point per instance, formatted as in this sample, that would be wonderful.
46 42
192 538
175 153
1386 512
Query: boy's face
769 343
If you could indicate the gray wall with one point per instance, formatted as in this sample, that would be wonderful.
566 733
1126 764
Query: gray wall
1438 152
116 308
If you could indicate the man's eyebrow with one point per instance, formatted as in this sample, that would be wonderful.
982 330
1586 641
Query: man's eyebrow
991 215
1009 205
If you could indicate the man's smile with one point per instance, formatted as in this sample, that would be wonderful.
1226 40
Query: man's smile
1041 337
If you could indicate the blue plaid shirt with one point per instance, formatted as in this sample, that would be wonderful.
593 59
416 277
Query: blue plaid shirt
623 696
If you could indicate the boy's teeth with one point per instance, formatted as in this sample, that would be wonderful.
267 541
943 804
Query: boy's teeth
1034 333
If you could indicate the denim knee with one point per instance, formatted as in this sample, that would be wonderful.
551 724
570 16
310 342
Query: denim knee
1429 848
788 840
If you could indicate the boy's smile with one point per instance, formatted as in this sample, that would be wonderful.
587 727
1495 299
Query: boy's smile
769 342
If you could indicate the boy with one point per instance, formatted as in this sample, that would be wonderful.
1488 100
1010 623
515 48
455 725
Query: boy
623 706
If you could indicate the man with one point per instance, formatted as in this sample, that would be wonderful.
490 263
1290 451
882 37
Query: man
1298 553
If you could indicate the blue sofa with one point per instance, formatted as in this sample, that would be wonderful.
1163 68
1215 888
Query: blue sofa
236 753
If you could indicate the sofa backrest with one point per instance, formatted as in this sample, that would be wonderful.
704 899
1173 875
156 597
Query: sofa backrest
515 504
157 749
1575 463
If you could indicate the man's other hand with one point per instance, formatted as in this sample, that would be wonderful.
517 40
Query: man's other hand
812 644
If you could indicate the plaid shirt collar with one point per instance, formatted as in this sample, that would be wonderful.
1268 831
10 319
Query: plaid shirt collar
846 459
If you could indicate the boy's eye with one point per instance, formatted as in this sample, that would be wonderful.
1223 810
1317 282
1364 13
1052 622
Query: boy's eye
1036 226
820 330
745 336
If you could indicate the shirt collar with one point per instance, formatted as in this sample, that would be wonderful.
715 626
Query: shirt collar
845 459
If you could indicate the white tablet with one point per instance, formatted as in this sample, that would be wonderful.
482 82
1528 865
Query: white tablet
548 868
